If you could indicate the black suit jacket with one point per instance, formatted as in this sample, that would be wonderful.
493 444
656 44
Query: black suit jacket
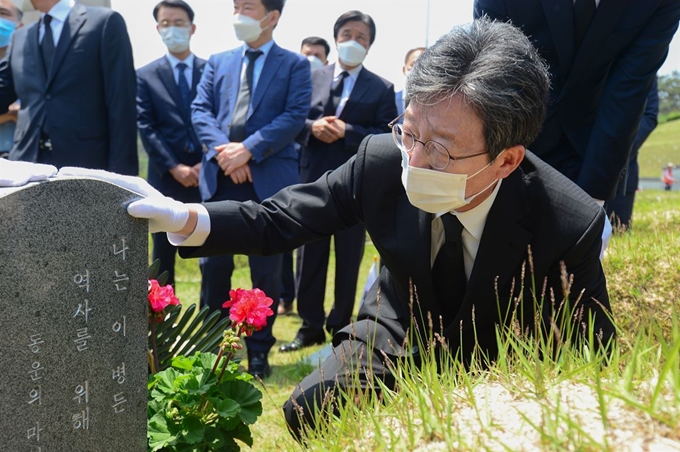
598 90
368 110
86 104
535 207
165 125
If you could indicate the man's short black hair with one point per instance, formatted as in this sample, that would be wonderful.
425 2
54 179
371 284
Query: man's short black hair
174 4
274 5
354 16
316 41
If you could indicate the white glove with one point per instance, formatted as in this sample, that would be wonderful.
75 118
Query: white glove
16 174
164 214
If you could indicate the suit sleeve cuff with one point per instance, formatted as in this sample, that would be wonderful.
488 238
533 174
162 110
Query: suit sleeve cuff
200 234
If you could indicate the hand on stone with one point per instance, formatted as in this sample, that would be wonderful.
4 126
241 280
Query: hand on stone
164 214
16 174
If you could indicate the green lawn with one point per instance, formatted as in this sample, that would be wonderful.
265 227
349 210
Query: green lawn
662 146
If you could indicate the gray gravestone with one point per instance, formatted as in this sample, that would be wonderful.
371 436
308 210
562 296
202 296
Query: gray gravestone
73 319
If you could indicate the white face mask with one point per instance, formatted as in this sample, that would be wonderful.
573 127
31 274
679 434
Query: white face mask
176 39
436 191
246 28
314 62
351 53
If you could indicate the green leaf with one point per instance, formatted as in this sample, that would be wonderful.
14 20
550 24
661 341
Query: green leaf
159 433
183 362
192 430
227 408
214 438
246 395
165 384
242 432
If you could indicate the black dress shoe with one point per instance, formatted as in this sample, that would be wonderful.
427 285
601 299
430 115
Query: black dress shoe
301 342
258 365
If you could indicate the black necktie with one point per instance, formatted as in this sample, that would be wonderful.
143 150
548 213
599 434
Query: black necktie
448 271
584 10
237 133
47 45
336 94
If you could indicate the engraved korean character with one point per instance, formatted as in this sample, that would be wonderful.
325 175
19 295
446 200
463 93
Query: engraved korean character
81 420
36 340
35 373
81 341
34 432
119 281
119 374
122 249
82 392
118 399
83 280
35 396
83 310
119 326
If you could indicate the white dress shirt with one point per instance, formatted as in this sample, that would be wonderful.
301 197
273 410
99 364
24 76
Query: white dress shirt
473 222
59 13
348 85
188 72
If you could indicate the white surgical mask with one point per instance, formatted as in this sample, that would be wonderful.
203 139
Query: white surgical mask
351 53
314 62
246 28
436 191
176 39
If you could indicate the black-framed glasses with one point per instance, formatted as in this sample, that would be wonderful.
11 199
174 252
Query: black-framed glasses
437 155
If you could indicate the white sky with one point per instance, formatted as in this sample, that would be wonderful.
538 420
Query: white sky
401 25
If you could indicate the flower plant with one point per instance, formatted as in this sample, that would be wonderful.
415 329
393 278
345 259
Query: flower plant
203 402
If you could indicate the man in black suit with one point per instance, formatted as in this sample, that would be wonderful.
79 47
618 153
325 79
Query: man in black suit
603 57
74 75
454 203
348 103
165 89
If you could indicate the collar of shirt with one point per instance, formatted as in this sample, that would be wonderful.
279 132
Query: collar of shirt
264 48
61 10
353 73
189 61
259 63
473 222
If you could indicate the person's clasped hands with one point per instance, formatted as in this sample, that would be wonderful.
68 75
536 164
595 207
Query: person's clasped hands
164 214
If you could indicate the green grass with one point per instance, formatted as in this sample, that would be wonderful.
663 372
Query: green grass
662 146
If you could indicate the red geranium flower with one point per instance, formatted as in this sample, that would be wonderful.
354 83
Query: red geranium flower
249 309
161 297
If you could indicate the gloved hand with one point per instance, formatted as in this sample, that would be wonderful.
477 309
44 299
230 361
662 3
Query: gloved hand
164 214
16 174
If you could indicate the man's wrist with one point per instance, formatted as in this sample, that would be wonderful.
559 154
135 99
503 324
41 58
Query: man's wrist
190 225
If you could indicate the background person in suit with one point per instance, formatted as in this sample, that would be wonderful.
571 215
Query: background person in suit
400 96
74 74
621 207
603 57
165 89
10 19
316 50
348 103
251 103
453 205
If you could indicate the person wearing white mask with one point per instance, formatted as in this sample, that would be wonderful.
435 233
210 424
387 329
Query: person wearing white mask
252 102
400 96
316 50
349 102
165 89
11 15
475 232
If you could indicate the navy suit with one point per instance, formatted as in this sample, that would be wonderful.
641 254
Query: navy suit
86 104
278 107
399 102
368 110
169 138
598 90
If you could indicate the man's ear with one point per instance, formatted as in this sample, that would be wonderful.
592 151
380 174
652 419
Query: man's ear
508 161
